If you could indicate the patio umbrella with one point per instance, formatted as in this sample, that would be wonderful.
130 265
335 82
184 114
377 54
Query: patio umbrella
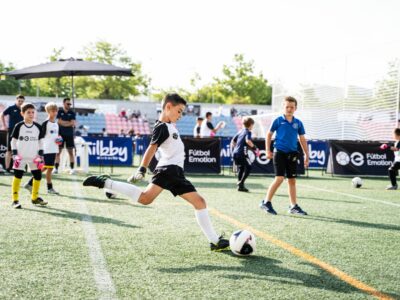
69 67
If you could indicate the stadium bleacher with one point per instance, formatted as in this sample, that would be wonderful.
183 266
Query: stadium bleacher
187 123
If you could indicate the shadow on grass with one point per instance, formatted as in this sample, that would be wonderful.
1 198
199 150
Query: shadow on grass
329 200
61 213
267 269
353 223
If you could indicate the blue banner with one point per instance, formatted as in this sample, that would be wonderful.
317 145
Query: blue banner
226 154
110 151
319 153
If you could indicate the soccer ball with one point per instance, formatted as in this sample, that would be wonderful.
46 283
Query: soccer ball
109 194
242 243
356 182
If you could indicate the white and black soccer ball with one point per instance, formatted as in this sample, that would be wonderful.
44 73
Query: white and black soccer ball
356 182
109 194
242 243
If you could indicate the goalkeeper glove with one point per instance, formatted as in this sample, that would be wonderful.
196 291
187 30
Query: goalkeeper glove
139 175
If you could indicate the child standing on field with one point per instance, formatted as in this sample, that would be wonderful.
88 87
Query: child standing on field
50 146
27 149
285 155
169 173
394 168
241 143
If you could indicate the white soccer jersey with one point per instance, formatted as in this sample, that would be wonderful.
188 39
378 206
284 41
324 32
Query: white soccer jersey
170 145
27 140
206 128
50 133
397 153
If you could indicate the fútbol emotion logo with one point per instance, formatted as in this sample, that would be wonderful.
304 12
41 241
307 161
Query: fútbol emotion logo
356 158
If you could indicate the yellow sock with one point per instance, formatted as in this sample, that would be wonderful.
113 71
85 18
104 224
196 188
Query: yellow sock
35 189
15 188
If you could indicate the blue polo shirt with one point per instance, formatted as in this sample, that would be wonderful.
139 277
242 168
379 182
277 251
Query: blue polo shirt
14 113
286 133
241 146
66 116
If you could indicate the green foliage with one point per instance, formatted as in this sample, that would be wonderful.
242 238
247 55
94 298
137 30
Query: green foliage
111 87
8 86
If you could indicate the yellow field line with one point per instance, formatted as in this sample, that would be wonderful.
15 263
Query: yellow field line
323 265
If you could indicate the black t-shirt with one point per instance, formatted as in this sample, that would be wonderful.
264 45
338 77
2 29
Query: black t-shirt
14 113
66 116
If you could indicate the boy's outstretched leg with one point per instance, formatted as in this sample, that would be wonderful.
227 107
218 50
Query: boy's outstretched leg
266 204
217 243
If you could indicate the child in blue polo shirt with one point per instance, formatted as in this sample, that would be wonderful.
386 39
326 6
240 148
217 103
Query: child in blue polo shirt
285 155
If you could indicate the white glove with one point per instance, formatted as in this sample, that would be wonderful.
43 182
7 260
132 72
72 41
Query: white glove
139 175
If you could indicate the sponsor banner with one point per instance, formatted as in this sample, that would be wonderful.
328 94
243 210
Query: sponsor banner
141 144
263 165
319 154
226 153
202 155
109 151
359 158
3 147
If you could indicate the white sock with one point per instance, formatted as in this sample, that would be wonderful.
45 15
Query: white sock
203 219
127 189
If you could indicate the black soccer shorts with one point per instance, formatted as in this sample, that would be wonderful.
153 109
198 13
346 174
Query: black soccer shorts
68 140
172 178
285 164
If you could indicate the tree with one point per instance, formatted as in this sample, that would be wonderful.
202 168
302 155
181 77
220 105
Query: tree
240 84
8 86
111 87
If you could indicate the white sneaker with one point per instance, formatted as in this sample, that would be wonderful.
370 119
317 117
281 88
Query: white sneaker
28 187
52 191
55 171
72 172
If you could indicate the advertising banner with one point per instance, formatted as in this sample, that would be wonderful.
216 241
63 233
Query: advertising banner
202 155
226 154
3 147
318 151
110 151
359 158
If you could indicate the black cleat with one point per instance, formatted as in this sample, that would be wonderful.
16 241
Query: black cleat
39 201
267 207
222 244
242 189
16 205
296 210
97 181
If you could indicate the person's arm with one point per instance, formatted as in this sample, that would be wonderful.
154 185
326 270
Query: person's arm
303 143
148 155
3 120
268 140
66 123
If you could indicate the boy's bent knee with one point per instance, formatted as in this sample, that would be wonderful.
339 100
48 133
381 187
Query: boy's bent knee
145 199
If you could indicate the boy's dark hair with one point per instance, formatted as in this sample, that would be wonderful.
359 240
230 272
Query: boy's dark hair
397 131
208 114
66 99
173 98
27 106
247 122
200 118
19 96
291 99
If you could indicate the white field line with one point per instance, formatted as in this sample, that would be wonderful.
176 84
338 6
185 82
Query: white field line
103 279
350 195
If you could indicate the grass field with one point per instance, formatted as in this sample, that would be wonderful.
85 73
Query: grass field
84 246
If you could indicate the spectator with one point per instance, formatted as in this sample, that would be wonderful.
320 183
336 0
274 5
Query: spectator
122 114
14 116
196 129
122 133
66 122
104 132
207 128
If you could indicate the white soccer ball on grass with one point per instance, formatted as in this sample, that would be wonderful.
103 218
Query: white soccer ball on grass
242 243
356 182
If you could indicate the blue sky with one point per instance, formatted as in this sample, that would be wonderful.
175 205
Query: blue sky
174 39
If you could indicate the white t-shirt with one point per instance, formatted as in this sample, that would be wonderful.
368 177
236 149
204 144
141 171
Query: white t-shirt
50 132
170 145
397 153
206 128
27 140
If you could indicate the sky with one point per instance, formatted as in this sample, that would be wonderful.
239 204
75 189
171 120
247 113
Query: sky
174 39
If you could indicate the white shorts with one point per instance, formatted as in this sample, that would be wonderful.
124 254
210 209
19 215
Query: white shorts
32 166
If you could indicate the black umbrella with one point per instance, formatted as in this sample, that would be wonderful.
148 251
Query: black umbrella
69 67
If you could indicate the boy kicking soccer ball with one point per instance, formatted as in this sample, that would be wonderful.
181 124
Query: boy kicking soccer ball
287 129
169 173
27 149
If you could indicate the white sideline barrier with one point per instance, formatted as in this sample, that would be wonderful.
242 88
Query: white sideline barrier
81 151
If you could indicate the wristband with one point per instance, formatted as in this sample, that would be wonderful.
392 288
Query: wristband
142 169
14 152
40 152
